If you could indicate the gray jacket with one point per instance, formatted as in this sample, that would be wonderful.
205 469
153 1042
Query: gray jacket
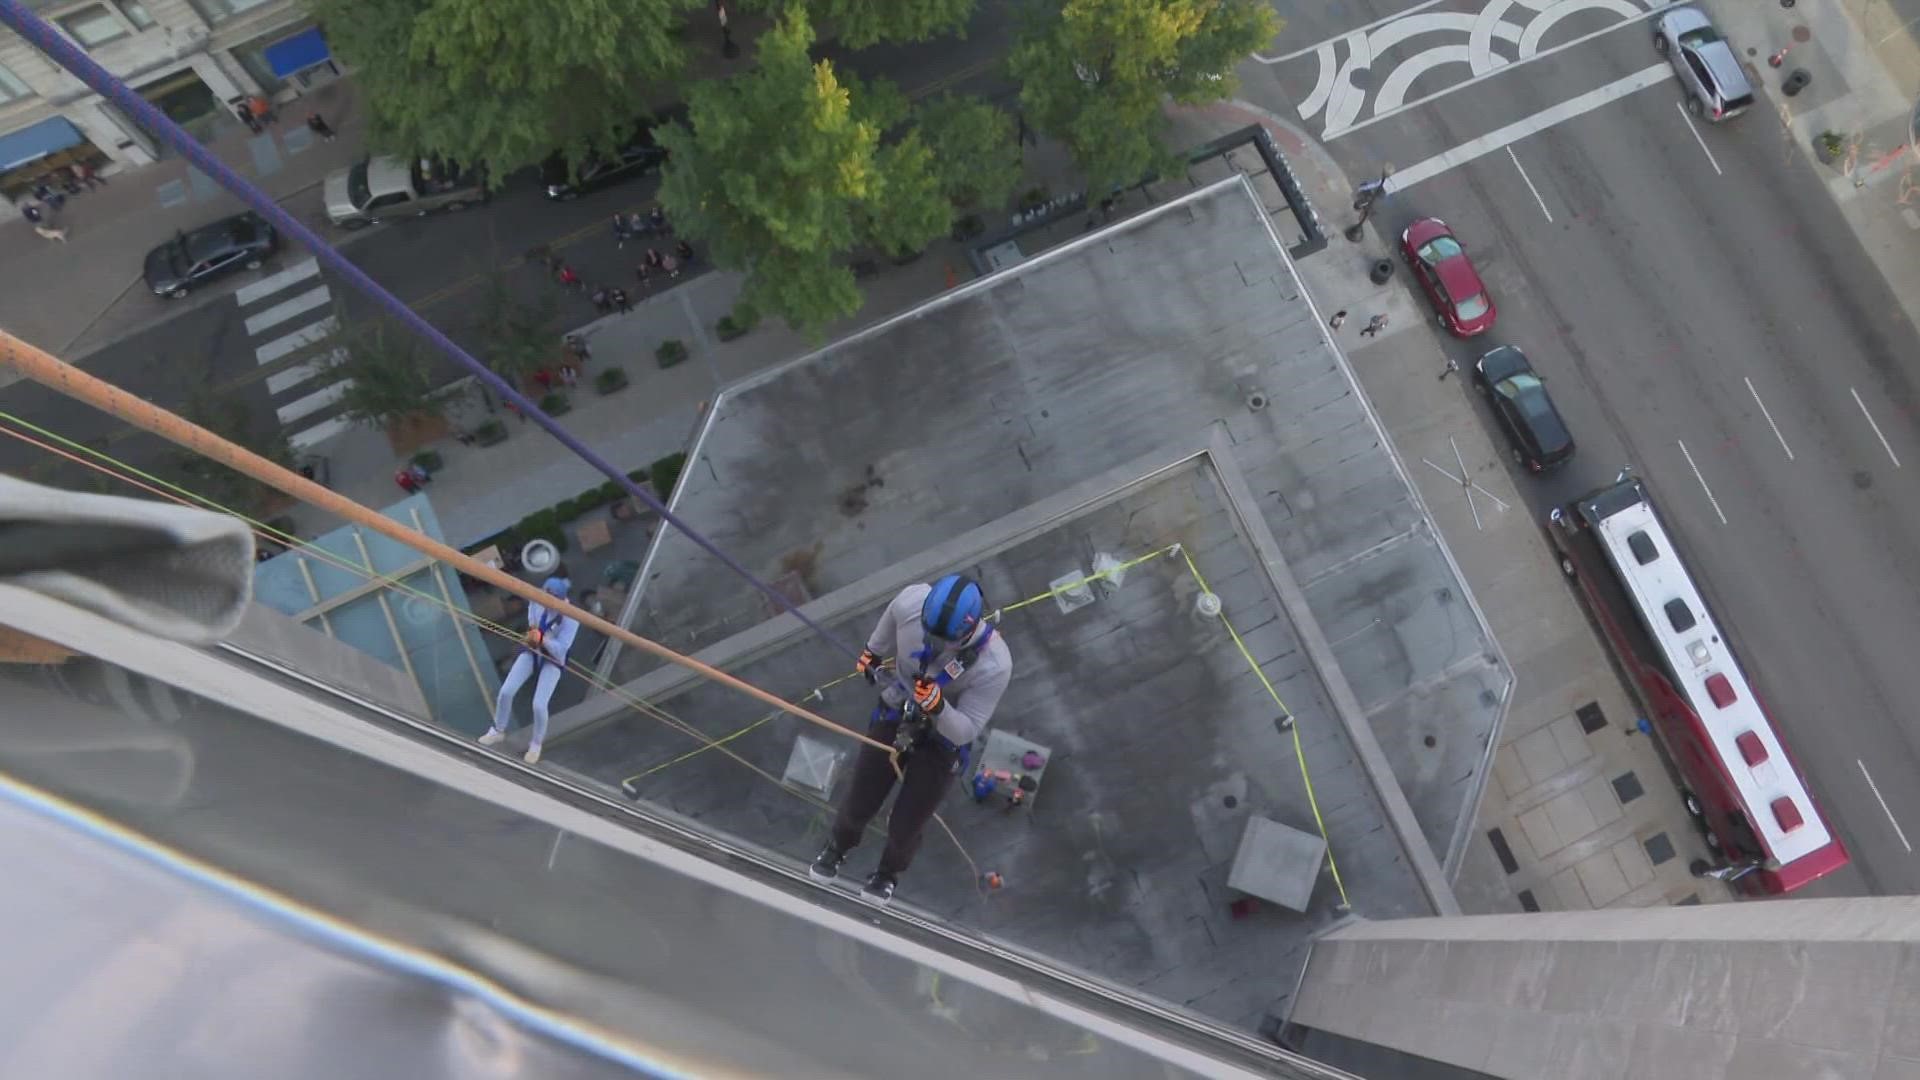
971 697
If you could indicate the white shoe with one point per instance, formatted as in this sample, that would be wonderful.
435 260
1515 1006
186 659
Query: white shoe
492 736
533 755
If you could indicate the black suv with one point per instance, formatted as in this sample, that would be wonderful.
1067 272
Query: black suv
1540 438
192 259
637 157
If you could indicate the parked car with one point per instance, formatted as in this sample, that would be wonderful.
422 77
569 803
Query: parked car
637 157
381 188
1716 85
191 259
1540 437
1448 277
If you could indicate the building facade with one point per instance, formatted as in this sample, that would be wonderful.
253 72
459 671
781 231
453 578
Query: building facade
194 59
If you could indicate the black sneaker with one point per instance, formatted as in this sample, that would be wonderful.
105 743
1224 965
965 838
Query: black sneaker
879 889
826 865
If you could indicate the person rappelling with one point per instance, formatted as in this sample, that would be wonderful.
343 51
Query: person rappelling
543 656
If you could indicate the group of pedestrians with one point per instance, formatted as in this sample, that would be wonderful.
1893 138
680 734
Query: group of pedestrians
655 264
42 210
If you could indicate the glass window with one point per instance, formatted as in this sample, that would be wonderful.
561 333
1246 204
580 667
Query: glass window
221 10
136 14
93 26
11 87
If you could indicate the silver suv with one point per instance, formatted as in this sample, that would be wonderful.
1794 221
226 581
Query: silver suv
1717 86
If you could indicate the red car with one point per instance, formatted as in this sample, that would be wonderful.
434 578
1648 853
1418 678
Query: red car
1448 276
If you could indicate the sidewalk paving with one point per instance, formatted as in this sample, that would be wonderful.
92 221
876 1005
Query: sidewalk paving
1576 812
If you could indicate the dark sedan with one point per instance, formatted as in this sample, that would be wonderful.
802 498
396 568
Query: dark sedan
1540 438
191 259
635 159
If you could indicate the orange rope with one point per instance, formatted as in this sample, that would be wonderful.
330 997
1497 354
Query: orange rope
63 378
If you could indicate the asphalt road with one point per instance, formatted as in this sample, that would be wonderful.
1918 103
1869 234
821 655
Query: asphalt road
442 266
1702 312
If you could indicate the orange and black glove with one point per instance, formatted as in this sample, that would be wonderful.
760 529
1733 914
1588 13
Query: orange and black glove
868 665
927 696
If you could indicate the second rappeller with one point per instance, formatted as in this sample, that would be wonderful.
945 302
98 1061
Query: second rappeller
951 669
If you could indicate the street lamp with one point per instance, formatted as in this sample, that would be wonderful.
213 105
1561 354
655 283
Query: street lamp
1364 196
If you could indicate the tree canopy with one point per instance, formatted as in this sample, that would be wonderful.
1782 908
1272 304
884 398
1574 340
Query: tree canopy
866 22
388 376
782 172
503 82
1094 73
975 149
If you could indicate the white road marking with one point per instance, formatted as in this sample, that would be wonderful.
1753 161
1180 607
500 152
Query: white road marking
1897 830
1408 175
318 433
312 403
1691 126
1525 59
1703 483
299 339
1884 444
267 286
288 309
281 381
1536 191
1331 40
1769 416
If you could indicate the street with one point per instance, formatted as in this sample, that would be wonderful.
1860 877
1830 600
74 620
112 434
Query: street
1702 312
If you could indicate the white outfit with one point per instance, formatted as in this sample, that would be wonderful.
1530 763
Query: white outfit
559 635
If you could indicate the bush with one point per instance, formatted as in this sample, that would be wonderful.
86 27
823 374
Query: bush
968 227
671 351
568 509
429 460
638 476
610 379
666 473
555 404
746 316
542 525
489 433
611 492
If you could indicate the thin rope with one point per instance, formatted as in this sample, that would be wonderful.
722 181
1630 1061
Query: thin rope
69 56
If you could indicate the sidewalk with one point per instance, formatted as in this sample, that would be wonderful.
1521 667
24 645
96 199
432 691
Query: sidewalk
1584 818
98 271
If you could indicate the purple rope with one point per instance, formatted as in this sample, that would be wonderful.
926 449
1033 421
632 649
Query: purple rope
67 55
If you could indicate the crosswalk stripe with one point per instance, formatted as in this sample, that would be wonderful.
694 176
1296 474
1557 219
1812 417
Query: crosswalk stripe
299 339
273 283
314 402
281 381
288 309
318 433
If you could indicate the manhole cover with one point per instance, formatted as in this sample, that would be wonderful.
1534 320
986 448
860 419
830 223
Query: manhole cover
1802 35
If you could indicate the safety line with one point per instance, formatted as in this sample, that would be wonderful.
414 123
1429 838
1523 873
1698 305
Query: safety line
1293 726
336 934
723 740
1110 571
75 60
293 543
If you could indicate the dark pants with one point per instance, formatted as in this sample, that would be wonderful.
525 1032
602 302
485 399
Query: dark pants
928 772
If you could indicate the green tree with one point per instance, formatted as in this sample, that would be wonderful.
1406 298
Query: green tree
1093 73
522 336
227 415
783 173
976 150
866 22
388 376
503 82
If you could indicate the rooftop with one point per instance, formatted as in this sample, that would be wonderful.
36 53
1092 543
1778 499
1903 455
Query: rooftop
1164 380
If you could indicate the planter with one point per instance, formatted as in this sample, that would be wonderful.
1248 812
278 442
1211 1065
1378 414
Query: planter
430 460
489 433
409 433
726 329
968 227
1829 147
556 404
610 380
670 352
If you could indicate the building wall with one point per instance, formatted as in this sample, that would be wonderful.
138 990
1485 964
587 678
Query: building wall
200 35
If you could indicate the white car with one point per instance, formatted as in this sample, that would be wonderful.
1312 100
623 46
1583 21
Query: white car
382 188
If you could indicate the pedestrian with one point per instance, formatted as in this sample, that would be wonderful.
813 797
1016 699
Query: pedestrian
32 212
671 265
641 272
685 251
1374 326
657 221
261 110
620 301
543 654
568 278
246 116
577 348
420 474
602 302
407 481
1339 319
543 379
88 175
955 670
318 125
465 438
653 259
620 230
47 195
569 374
51 232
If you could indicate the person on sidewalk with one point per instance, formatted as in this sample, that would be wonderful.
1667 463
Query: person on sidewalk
318 125
1339 319
602 301
245 115
620 300
543 652
577 348
408 482
1374 326
957 669
88 175
262 110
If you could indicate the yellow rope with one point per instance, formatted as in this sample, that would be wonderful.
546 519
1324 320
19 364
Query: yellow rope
1293 726
1090 579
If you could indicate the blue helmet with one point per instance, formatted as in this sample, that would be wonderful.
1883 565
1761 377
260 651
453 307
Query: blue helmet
953 608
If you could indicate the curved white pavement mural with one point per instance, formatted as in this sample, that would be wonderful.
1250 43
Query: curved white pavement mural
1367 74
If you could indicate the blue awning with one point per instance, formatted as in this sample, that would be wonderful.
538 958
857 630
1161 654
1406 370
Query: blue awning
298 53
32 143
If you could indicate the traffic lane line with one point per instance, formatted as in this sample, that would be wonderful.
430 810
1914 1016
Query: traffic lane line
1515 158
1695 129
1884 444
1501 138
1715 503
1769 415
1884 808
